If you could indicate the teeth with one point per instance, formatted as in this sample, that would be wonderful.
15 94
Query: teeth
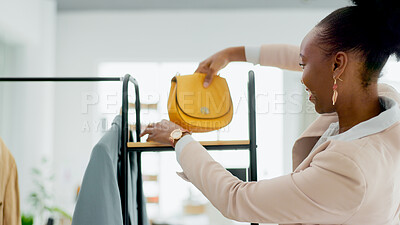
308 92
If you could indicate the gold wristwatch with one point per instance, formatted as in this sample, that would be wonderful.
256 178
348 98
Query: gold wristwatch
176 135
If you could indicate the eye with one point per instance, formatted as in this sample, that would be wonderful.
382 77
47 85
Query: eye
302 65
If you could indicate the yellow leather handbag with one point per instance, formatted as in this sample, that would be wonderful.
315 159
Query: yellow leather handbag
199 109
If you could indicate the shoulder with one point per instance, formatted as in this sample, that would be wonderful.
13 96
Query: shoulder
388 91
387 139
375 156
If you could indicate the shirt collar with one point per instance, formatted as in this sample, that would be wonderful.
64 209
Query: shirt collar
374 125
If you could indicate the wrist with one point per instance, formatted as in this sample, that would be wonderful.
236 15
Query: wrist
236 54
176 135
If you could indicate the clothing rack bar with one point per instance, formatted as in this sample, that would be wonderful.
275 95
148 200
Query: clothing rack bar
58 79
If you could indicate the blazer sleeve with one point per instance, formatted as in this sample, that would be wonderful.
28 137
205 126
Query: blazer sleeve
280 55
11 201
322 193
9 189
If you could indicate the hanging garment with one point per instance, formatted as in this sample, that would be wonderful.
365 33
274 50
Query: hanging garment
99 201
9 191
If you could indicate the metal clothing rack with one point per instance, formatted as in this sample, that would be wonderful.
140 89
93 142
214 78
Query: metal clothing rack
138 147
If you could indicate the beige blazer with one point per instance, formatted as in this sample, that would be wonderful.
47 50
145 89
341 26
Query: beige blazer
9 191
341 182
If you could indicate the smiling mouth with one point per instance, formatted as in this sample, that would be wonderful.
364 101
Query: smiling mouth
310 95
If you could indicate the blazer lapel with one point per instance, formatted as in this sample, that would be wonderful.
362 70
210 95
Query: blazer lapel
303 146
307 161
301 149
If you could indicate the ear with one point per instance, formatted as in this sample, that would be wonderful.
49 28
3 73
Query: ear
339 65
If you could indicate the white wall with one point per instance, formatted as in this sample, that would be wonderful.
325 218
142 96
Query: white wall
27 28
20 20
84 39
171 35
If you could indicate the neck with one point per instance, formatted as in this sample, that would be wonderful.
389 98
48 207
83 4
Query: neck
358 108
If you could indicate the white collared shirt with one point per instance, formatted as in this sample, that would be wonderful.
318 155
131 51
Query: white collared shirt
252 54
374 125
182 143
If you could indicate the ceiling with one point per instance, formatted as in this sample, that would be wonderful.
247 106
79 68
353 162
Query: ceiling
78 5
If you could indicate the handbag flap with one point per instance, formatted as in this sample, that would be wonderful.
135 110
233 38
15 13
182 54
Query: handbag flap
206 103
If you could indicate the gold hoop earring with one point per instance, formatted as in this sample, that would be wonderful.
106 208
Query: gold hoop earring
335 92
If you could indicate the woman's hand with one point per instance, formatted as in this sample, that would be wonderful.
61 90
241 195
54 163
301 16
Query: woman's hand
218 61
160 132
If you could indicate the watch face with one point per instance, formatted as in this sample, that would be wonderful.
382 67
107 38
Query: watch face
176 134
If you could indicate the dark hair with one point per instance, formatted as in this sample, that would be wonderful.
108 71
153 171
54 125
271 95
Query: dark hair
370 28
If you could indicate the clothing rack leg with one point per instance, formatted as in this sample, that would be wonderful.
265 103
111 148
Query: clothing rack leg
252 128
139 195
139 188
123 188
124 151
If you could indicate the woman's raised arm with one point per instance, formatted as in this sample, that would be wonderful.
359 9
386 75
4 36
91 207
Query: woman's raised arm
278 55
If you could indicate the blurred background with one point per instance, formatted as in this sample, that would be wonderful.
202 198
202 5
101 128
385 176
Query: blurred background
51 128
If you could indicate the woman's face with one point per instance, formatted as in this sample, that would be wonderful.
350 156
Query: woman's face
317 73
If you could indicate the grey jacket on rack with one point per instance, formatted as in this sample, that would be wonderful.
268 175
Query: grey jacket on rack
99 201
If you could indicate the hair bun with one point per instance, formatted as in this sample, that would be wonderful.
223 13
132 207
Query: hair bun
363 2
383 17
377 4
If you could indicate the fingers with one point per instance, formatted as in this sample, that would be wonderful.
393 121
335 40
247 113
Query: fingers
150 137
160 132
212 70
207 80
207 68
148 130
157 127
203 66
211 66
201 69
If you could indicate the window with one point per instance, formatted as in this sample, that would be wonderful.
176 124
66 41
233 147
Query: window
391 73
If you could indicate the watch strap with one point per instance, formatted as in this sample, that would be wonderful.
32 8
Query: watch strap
174 141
